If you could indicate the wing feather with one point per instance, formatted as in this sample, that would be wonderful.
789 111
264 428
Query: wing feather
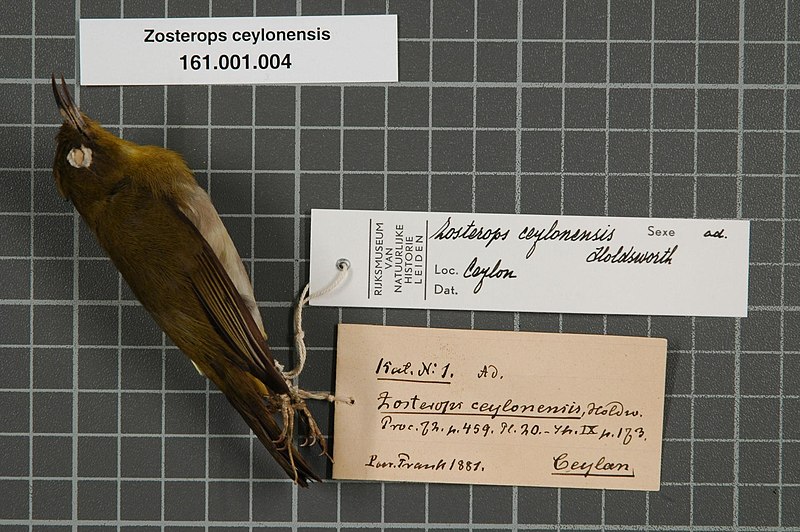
197 207
230 314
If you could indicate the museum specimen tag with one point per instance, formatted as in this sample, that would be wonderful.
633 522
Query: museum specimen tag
535 263
496 407
227 50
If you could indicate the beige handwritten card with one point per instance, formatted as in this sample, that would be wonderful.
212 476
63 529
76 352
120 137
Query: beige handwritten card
495 407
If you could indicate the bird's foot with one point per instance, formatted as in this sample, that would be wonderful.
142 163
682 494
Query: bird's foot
315 436
293 404
287 413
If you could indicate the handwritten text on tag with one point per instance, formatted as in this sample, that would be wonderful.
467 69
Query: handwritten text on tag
490 407
537 263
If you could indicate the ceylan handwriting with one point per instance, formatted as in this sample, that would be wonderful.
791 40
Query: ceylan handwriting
486 272
600 467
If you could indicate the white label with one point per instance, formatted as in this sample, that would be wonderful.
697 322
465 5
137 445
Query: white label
532 263
244 50
495 407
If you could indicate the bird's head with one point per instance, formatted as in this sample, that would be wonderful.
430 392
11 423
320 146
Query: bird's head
86 153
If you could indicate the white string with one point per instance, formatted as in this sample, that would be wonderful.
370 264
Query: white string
343 265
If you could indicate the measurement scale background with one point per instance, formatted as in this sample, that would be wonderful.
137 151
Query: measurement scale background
670 108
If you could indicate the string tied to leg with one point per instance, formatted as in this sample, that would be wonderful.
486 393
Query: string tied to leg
343 267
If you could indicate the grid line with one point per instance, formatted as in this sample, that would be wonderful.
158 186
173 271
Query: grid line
492 84
711 361
31 284
406 525
75 315
163 353
784 42
737 327
517 192
120 125
692 411
562 159
118 486
606 134
429 183
781 485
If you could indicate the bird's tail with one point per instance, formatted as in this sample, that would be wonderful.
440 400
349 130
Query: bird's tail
247 398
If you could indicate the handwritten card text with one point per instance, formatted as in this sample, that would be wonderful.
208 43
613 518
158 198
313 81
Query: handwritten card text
491 407
536 263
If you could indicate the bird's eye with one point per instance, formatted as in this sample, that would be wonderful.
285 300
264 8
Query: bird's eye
80 157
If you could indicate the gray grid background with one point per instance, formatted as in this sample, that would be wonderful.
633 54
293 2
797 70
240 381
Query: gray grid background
671 108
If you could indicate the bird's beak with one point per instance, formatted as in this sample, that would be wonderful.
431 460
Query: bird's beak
66 106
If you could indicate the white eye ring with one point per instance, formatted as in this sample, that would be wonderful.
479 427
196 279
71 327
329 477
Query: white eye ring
80 157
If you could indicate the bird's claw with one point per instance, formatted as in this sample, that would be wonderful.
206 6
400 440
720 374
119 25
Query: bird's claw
291 404
315 436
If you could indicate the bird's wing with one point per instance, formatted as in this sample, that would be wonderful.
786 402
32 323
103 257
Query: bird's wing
197 207
226 308
224 290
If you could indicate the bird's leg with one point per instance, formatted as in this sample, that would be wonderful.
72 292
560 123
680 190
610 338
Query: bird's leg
287 413
290 405
315 435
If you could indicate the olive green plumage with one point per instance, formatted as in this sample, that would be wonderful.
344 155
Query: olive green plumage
165 237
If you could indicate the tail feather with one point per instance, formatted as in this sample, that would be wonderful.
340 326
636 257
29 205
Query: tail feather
251 406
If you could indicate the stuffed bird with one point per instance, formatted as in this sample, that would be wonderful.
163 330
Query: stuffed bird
162 232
